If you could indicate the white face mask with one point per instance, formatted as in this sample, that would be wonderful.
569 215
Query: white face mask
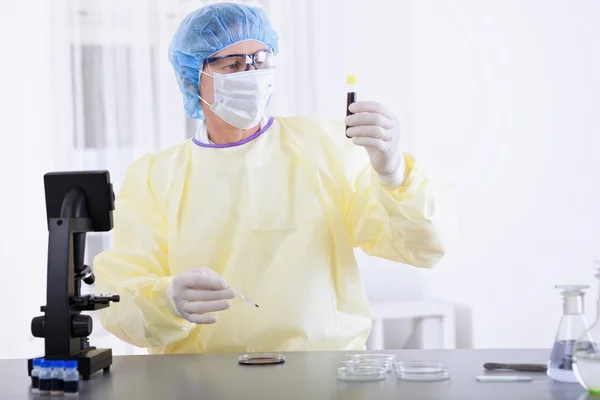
241 98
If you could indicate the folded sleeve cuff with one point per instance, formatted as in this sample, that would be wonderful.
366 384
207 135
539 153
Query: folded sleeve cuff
395 179
162 325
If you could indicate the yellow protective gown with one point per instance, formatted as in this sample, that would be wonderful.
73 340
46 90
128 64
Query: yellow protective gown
277 218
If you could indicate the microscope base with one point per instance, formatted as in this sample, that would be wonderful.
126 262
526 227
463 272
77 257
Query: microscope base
89 361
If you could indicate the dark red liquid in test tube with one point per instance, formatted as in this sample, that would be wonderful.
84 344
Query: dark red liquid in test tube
351 97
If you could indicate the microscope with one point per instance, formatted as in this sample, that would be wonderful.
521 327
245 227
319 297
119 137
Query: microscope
76 203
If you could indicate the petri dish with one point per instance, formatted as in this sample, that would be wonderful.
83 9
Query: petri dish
383 360
362 373
421 371
261 359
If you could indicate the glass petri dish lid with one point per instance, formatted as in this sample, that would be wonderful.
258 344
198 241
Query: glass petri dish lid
363 363
421 371
383 360
375 357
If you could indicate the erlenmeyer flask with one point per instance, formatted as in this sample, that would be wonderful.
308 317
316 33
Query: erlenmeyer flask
587 351
572 326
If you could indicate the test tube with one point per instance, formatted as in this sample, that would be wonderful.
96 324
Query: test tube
246 299
351 97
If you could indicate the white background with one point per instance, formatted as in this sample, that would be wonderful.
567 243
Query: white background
499 97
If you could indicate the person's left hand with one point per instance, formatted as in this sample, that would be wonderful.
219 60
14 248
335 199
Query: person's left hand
375 128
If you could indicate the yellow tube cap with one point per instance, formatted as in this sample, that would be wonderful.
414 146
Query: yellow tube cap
351 80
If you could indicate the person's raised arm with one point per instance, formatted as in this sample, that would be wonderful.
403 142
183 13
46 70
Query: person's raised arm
412 224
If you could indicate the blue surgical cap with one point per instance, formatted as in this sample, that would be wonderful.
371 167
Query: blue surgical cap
207 31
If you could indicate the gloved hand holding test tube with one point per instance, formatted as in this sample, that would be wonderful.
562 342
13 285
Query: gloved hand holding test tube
373 126
194 294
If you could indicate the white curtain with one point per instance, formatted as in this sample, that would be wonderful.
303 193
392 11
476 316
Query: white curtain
116 97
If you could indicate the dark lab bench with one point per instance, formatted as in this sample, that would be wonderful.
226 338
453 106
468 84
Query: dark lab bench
305 376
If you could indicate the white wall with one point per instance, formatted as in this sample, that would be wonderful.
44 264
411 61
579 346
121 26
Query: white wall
505 100
499 96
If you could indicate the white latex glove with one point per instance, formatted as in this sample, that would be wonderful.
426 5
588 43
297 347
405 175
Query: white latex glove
194 293
375 128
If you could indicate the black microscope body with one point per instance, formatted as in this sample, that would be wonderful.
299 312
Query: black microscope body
76 203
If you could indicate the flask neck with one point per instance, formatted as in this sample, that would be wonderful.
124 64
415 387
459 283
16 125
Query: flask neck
573 305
